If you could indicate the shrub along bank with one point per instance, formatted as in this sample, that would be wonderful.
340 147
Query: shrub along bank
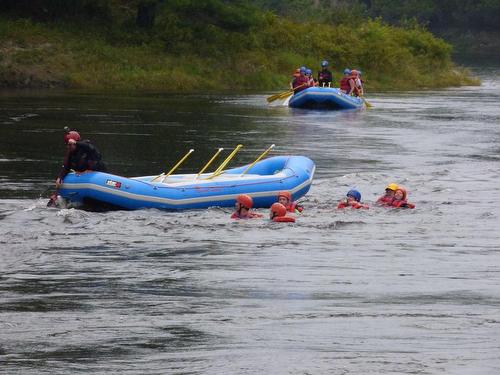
252 50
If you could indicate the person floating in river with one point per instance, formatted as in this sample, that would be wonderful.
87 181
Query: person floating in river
80 156
242 208
353 200
285 198
324 75
277 213
300 82
388 197
400 199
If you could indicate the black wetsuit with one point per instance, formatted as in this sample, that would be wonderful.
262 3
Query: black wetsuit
85 156
324 77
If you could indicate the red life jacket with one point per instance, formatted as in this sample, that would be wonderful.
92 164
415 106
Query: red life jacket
294 206
251 215
385 201
344 84
402 204
301 81
284 219
355 205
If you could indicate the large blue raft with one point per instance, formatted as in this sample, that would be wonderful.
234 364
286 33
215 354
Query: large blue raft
325 98
187 191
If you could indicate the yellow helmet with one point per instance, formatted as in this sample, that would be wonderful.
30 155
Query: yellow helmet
392 186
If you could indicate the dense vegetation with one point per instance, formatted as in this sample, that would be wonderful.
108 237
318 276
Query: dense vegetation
206 44
472 25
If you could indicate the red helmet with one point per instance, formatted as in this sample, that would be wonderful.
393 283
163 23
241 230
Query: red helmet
278 209
402 190
245 200
285 194
71 135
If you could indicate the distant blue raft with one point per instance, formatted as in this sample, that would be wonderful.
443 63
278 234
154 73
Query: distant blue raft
187 191
325 98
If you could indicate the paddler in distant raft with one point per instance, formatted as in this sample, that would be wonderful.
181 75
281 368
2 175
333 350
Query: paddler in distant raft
310 80
278 214
359 83
344 82
242 206
325 77
354 90
300 81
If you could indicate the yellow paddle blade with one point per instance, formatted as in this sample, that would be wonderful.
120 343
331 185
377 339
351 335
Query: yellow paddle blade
285 95
368 105
274 97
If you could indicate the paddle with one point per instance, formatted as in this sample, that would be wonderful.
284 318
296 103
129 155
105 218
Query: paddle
165 175
256 160
368 105
284 95
274 97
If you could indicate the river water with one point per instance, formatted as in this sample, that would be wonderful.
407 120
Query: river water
339 292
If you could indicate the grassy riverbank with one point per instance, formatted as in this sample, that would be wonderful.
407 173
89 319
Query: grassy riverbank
259 56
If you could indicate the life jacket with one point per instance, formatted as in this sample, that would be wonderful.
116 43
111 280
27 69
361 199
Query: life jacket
356 205
251 215
344 84
402 204
385 200
284 219
294 206
300 83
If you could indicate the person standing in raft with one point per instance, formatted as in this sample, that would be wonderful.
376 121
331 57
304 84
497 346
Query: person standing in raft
325 77
285 198
353 200
243 205
400 200
388 197
300 82
344 82
80 156
277 213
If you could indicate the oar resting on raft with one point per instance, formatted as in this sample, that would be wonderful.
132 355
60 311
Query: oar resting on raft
163 176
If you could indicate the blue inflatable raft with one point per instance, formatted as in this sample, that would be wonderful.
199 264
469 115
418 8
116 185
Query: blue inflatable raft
324 98
187 191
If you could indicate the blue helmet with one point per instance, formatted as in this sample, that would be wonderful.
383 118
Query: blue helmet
355 194
303 69
324 63
347 71
308 71
359 72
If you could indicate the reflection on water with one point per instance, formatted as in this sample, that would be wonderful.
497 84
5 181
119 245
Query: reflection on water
148 292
